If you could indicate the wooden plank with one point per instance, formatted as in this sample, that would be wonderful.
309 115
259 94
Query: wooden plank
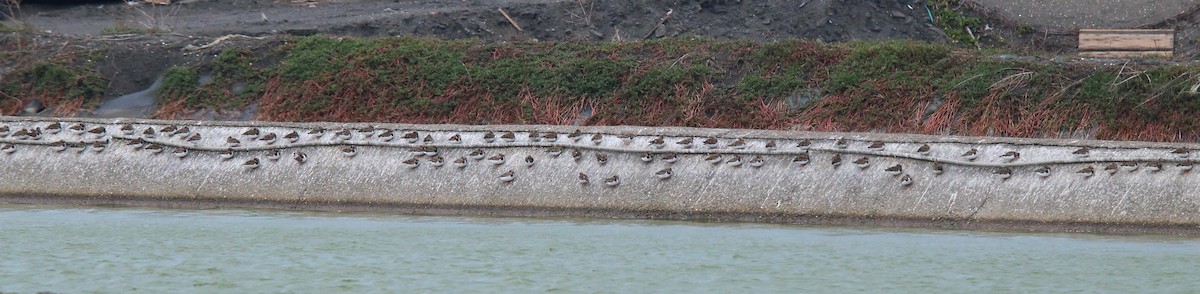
1126 40
1126 54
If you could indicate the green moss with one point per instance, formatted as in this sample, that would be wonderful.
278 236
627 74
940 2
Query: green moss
55 82
954 23
179 81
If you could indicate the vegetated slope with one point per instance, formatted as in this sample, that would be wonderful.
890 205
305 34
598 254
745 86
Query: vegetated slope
890 86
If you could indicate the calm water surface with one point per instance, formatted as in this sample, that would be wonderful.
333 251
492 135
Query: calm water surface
85 250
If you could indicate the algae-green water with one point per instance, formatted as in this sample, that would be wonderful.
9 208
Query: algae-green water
129 250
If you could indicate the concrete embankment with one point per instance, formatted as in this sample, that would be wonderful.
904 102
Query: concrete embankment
746 175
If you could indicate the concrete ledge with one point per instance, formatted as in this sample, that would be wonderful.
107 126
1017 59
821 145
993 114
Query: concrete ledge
1151 190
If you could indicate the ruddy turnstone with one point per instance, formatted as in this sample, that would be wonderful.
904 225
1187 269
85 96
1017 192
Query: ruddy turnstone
802 158
1043 171
461 162
59 146
316 133
489 137
841 143
1087 171
670 158
534 136
1082 152
938 168
1154 167
136 143
771 145
226 155
54 128
906 180
971 155
554 151
455 139
99 146
647 157
804 144
148 133
583 179
528 161
291 137
738 144
1129 166
757 161
1003 172
476 155
597 138
430 151
252 134
836 161
269 138
1010 156
233 142
508 137
508 176
21 134
713 158
923 150
367 132
735 161
658 142
575 135
1111 168
1181 152
1186 165
664 174
602 158
154 148
181 132
626 138
576 154
4 130
497 159
35 133
411 137
550 137
345 134
273 154
894 170
862 162
79 128
250 164
613 181
349 151
710 143
412 162
876 146
387 136
78 147
8 148
180 152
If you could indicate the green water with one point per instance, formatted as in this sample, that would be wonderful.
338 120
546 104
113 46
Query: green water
85 250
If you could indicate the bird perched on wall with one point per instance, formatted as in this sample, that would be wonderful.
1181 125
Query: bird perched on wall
841 143
411 137
576 154
1010 156
136 143
738 144
316 133
1003 172
59 146
664 174
836 161
613 181
770 145
4 130
923 150
550 137
274 154
535 137
428 139
583 179
226 155
387 136
1154 167
79 128
1087 171
528 161
461 162
713 158
601 158
180 152
78 147
508 176
757 161
1082 152
938 168
252 133
412 163
99 146
670 158
21 134
489 137
597 138
647 157
804 144
195 137
1043 171
233 142
1129 166
626 138
476 155
894 170
1181 152
658 143
876 146
686 143
292 137
300 157
802 158
971 155
8 148
154 148
269 138
349 151
181 132
862 162
53 128
455 139
1186 165
251 164
367 132
710 143
1111 168
735 161
906 180
497 159
576 135
508 137
554 151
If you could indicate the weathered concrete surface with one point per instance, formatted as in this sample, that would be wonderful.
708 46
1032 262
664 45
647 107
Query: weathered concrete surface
1089 14
968 193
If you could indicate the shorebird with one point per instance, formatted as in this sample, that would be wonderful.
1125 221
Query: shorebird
862 162
686 143
251 164
455 139
1082 152
576 135
136 143
273 154
54 128
252 134
508 176
938 168
647 157
711 143
770 146
663 174
713 158
658 143
971 155
836 161
576 154
802 158
99 146
412 163
233 142
1181 152
226 155
528 161
461 162
1010 156
4 130
1003 172
429 151
550 137
876 146
626 138
804 144
906 180
35 133
79 128
300 157
583 179
1154 167
597 138
269 138
292 137
841 143
194 138
387 136
59 146
154 148
21 134
411 137
428 139
739 144
670 158
508 137
757 161
148 133
895 170
601 158
923 150
1087 172
8 148
1043 171
78 147
1186 165
316 133
489 137
497 159
1129 166
535 137
1111 168
735 161
349 151
554 151
180 152
613 181
181 132
476 155
367 132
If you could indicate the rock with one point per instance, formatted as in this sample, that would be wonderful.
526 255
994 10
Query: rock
898 14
